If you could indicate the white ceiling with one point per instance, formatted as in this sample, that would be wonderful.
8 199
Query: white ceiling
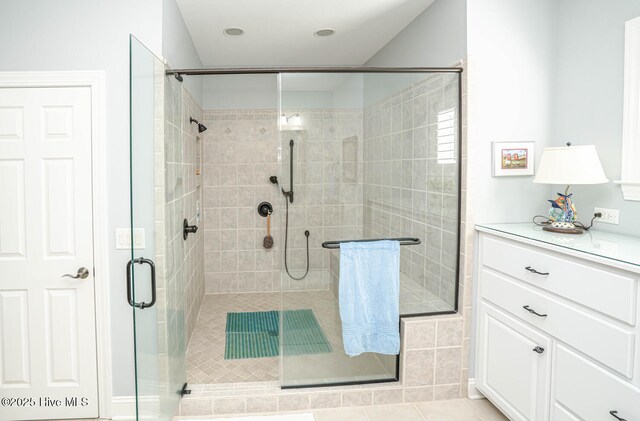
280 32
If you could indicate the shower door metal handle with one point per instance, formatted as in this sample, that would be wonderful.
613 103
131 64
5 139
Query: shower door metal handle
142 305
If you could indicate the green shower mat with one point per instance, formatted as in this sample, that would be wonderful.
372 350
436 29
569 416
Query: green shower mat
255 334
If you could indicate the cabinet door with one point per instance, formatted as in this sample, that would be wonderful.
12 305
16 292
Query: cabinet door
512 363
590 391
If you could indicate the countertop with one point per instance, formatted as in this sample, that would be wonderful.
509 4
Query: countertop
613 249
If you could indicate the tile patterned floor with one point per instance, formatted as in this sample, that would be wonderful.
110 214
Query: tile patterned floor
205 353
453 410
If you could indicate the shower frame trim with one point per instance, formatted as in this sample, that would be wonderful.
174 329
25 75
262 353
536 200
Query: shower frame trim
277 70
178 73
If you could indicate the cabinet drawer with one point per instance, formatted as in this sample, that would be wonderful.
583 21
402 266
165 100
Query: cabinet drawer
591 392
560 413
595 336
604 291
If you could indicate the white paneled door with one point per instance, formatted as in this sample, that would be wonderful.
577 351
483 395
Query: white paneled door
47 319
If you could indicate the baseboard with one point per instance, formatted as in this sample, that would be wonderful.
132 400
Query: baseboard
123 408
474 393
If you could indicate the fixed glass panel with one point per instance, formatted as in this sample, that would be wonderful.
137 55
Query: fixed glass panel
412 180
156 254
363 156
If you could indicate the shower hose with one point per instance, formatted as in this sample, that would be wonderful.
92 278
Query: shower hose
286 237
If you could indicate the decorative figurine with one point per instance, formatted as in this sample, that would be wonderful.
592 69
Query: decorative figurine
562 209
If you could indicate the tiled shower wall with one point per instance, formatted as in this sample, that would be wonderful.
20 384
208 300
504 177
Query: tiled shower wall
240 153
242 149
411 178
179 263
328 185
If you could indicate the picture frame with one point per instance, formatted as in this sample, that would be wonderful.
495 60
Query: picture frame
513 159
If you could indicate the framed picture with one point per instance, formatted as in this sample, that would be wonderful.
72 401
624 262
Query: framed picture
513 158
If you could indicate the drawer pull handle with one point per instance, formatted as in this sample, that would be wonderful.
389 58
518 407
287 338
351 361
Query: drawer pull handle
532 311
615 416
532 270
539 349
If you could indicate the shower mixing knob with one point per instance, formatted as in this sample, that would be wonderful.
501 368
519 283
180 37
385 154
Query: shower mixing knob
264 209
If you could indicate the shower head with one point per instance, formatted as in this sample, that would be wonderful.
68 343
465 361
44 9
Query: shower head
201 127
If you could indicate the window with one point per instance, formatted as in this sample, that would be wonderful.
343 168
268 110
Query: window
446 136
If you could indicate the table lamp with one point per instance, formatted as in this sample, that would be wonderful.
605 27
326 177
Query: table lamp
568 165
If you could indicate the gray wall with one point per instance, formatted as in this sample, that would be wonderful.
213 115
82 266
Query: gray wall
588 97
510 89
235 92
437 37
178 49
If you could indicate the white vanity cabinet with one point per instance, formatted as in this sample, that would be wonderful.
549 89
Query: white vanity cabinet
557 323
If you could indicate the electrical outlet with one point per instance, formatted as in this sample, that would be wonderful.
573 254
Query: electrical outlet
609 216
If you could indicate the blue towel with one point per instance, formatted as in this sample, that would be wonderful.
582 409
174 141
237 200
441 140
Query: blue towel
370 297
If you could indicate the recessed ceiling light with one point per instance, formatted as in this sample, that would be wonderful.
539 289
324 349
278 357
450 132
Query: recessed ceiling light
233 32
327 32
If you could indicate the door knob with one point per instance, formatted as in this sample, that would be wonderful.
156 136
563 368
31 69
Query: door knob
83 272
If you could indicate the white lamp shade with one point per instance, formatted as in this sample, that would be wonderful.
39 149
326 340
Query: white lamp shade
570 165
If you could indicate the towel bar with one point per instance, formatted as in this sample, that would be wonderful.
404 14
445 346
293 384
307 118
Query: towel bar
404 241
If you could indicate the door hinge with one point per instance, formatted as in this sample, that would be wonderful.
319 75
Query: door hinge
184 391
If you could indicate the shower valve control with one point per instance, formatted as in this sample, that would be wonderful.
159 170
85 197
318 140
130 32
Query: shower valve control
264 209
188 229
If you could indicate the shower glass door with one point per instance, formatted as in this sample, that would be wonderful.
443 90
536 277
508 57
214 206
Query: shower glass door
321 137
159 354
364 156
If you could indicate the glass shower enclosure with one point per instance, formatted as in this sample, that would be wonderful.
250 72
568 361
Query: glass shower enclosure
362 154
365 155
155 268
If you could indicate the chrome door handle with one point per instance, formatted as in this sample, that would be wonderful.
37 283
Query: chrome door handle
83 273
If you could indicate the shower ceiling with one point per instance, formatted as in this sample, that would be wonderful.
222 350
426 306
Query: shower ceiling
281 33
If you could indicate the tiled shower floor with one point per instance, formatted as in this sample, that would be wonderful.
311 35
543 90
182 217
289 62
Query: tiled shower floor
205 354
